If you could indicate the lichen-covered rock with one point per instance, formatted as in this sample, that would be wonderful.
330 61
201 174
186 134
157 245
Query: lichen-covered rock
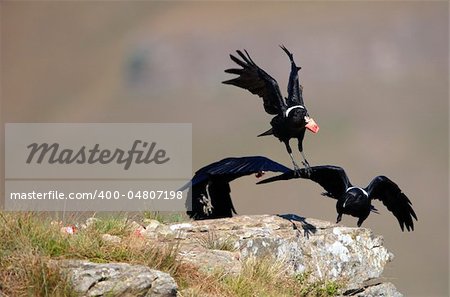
323 249
117 279
211 260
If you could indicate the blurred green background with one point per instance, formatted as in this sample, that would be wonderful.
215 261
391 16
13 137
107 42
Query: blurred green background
375 77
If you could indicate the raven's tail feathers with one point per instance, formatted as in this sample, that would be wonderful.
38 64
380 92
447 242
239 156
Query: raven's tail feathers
268 132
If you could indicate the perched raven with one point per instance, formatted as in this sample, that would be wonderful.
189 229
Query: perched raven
356 201
292 118
210 187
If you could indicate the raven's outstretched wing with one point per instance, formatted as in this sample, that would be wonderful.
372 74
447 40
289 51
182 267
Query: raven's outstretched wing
235 167
200 176
210 190
258 82
332 178
295 90
384 189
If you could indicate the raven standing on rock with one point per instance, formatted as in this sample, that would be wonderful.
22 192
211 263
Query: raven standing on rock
210 189
356 201
292 118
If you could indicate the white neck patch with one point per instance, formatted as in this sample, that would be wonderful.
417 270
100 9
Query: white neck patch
293 107
364 191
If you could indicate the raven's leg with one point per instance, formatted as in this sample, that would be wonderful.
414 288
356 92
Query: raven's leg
304 162
288 148
339 218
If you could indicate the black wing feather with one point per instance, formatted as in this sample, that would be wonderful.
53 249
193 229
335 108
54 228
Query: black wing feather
384 189
212 182
332 178
258 82
295 90
235 167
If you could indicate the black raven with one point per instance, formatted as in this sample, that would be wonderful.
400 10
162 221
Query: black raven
292 118
356 201
210 189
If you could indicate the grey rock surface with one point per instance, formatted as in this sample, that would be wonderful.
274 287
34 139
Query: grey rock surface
323 249
210 260
118 279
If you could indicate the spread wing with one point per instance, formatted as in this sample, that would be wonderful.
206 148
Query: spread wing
201 176
384 189
232 168
332 178
295 90
258 82
209 188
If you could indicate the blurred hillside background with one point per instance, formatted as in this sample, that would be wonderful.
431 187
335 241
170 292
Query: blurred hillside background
375 77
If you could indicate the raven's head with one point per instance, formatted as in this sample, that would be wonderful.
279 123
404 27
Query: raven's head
355 202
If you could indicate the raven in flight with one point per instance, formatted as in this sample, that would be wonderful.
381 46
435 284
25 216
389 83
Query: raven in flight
210 189
356 201
292 118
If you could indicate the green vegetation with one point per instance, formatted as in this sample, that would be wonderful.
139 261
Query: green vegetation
165 217
30 242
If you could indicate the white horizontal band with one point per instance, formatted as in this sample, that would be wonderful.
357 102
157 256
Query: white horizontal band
364 191
293 107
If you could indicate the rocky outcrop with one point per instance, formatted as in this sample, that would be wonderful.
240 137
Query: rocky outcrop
353 257
326 251
117 279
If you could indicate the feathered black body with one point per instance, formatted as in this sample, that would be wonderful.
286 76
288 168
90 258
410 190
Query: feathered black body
291 116
357 201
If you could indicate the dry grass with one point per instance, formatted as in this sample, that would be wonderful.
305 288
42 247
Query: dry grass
25 248
268 277
211 241
165 217
28 241
259 277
